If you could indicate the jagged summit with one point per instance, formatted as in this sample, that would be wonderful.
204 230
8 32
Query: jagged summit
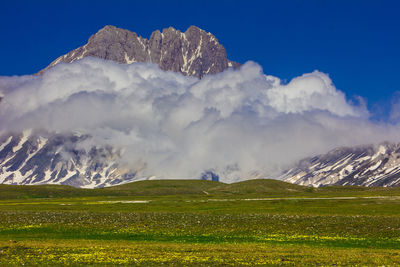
194 52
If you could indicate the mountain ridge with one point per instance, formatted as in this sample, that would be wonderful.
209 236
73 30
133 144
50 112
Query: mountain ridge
194 52
365 165
37 158
44 158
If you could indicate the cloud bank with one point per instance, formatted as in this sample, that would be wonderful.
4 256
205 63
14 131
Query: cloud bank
238 124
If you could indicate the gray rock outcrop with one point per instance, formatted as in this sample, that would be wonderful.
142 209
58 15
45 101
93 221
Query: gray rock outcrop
194 52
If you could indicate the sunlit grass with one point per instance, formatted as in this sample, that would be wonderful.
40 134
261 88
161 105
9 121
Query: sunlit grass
218 229
64 252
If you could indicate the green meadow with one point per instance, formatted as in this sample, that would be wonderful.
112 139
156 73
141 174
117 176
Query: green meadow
199 223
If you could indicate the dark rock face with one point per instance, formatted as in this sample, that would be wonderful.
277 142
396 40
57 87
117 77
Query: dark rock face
210 176
193 53
363 165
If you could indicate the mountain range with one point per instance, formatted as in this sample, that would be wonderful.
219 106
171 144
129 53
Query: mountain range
368 165
39 157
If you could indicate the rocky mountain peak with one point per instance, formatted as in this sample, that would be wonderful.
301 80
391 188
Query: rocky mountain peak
194 52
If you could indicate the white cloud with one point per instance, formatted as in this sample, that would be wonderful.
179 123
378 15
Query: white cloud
311 91
239 123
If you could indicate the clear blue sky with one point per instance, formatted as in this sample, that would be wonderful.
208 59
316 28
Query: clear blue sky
356 42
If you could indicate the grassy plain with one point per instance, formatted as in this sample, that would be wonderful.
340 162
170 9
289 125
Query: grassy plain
200 223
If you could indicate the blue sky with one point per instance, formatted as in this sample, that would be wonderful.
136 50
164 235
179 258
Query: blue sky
356 42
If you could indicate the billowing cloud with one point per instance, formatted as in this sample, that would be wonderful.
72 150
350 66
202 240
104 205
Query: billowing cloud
238 124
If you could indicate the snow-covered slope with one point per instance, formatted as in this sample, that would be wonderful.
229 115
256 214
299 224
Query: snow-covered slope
40 158
364 165
43 158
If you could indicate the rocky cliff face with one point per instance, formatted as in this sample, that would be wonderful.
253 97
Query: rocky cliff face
194 52
364 165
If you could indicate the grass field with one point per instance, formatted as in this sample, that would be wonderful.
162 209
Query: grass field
200 223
